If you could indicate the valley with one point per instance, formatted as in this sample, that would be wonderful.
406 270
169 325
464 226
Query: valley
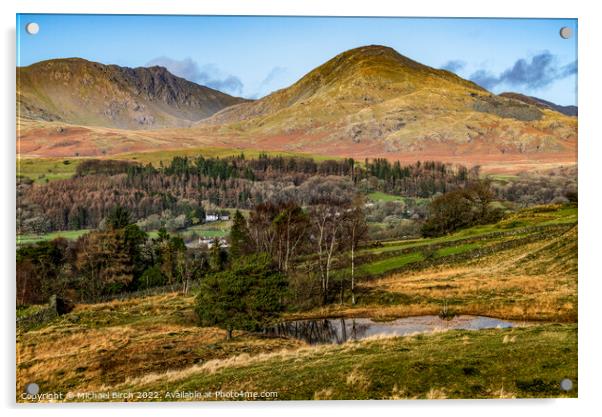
165 227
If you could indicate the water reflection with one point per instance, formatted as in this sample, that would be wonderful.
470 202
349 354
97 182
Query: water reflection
340 330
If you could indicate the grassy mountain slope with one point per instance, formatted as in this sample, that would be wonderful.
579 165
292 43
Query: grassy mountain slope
373 98
88 93
529 273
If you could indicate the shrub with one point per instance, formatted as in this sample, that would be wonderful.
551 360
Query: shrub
462 208
152 277
246 297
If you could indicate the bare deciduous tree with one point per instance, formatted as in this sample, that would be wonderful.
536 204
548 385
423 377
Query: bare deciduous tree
356 230
327 222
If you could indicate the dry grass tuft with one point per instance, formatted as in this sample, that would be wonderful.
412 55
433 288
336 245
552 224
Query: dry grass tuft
358 379
216 365
398 394
503 394
323 394
144 336
436 394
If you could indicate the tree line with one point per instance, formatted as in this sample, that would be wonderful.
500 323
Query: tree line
119 259
186 186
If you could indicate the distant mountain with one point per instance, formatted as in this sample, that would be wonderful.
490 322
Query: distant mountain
372 99
81 92
367 102
544 104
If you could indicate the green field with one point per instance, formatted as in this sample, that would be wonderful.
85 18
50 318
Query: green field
503 178
66 234
209 230
166 156
380 196
557 215
47 169
520 272
392 263
395 262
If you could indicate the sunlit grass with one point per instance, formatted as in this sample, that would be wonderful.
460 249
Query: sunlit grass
521 362
380 267
47 169
380 196
153 343
66 234
209 230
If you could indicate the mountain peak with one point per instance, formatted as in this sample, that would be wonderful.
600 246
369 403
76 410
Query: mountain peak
368 61
374 61
369 101
375 52
370 74
370 51
352 80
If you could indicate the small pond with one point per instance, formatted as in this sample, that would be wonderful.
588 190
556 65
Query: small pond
340 330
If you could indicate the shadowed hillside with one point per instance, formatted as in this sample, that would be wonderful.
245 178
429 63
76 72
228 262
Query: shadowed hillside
543 104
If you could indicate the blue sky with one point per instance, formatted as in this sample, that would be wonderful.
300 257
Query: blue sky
252 56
